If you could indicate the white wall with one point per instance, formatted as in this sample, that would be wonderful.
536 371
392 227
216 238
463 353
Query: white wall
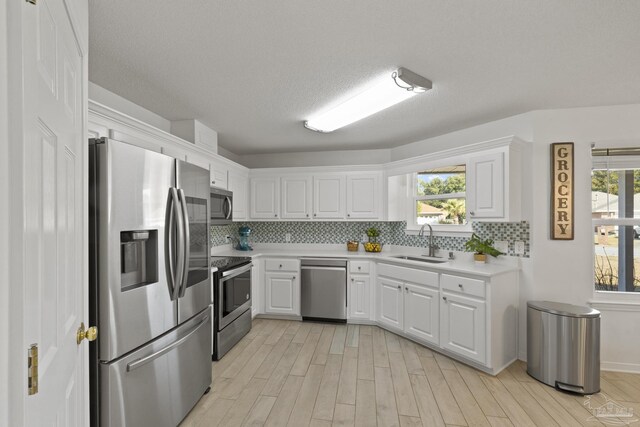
563 270
520 125
4 223
316 158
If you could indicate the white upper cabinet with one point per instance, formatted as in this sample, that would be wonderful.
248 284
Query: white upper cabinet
219 175
485 189
239 186
494 185
265 197
296 197
329 198
363 196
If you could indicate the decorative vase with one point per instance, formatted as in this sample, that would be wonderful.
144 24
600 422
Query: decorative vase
480 258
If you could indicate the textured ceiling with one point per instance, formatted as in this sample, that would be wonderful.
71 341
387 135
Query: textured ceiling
254 70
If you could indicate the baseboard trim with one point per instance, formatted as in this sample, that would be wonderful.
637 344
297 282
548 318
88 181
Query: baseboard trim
361 322
632 368
278 317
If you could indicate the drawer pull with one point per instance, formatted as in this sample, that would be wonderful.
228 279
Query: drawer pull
280 265
444 298
359 268
460 285
399 287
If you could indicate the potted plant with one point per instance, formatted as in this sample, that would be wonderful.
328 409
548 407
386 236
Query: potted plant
481 248
373 234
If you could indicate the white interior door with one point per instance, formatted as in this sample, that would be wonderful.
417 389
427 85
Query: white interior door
55 216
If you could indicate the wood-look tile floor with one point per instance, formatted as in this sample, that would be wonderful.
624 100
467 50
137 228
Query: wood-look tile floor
288 373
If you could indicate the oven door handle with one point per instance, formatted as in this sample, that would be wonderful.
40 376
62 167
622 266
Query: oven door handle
233 273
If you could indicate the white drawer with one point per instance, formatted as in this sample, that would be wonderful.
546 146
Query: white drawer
404 274
464 285
282 265
361 267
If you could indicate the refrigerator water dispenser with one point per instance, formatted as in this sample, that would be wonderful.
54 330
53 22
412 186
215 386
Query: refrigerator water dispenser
138 258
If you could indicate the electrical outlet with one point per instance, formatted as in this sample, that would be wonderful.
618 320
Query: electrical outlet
502 246
519 247
227 239
287 237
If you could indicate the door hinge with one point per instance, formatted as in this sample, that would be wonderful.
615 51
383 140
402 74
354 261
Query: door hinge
31 1
32 368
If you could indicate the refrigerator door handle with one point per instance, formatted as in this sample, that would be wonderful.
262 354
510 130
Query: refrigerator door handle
172 213
186 245
143 361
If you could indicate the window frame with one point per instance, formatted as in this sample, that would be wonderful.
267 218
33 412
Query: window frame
612 163
442 229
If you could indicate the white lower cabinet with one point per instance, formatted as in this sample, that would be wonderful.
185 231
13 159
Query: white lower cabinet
359 298
463 326
282 286
282 293
390 302
421 312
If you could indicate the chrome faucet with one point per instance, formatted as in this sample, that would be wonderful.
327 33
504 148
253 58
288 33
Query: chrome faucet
432 247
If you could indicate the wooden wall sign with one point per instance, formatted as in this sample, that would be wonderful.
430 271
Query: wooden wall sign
562 191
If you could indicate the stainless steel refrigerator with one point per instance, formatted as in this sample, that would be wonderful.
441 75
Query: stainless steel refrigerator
150 285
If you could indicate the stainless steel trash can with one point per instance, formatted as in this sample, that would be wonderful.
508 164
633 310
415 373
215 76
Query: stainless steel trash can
563 346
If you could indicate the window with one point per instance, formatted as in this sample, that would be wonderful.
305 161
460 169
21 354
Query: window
615 212
439 196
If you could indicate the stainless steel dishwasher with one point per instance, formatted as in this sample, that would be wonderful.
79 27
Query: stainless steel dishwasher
324 289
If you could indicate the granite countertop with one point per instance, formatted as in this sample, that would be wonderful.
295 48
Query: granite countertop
463 262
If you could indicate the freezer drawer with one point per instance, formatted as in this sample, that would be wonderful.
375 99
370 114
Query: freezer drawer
160 383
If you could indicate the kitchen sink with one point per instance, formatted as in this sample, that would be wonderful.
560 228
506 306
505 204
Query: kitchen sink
421 259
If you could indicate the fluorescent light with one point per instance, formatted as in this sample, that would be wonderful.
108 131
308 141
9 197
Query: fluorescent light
390 90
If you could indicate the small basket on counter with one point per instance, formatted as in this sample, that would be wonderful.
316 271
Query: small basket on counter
353 245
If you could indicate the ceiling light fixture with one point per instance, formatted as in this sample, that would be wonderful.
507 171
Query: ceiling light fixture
402 84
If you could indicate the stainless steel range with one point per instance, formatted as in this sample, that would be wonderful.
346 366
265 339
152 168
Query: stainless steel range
231 294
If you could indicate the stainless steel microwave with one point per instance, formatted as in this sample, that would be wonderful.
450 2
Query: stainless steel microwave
221 206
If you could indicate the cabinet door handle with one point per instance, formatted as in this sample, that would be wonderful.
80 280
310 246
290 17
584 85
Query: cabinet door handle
352 279
359 268
307 215
275 216
399 287
213 182
349 215
472 213
444 298
315 214
280 265
294 278
460 285
406 289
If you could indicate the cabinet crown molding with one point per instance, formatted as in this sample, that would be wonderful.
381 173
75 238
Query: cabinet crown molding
127 124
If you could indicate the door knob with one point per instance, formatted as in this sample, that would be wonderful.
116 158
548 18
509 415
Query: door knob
90 334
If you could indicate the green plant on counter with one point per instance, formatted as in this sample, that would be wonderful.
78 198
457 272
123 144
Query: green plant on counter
373 233
479 246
